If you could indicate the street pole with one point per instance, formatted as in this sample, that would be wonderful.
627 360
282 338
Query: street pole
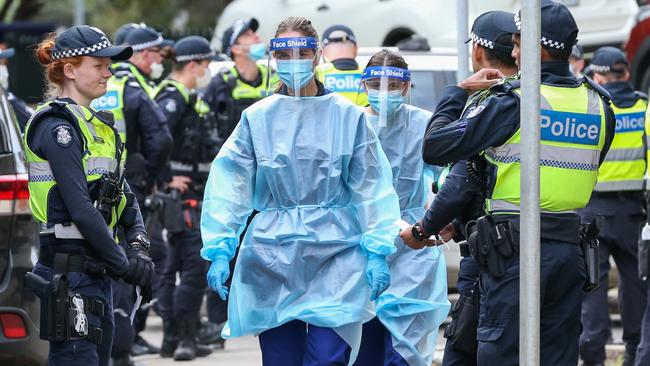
462 32
79 12
529 285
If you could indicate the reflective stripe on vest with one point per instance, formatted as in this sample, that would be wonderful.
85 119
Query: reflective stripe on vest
344 82
624 166
572 137
241 90
99 158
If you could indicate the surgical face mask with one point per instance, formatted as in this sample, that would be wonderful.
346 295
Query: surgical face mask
156 70
298 72
203 81
392 99
257 51
4 76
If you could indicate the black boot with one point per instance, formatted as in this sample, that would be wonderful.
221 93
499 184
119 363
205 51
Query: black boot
170 338
188 348
210 333
142 347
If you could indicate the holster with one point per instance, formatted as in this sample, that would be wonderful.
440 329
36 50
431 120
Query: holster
172 214
63 312
490 243
590 248
464 323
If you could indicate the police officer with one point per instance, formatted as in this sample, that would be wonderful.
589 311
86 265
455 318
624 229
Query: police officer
569 169
235 89
461 196
144 131
78 194
123 31
617 205
193 151
21 109
341 72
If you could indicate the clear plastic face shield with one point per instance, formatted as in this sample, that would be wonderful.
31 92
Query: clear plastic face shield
388 88
295 58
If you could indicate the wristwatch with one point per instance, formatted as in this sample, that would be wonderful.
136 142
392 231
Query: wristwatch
142 239
417 232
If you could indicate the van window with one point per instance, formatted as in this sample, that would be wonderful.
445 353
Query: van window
428 86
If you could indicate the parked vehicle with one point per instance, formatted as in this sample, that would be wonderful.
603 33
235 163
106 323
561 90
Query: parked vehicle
19 307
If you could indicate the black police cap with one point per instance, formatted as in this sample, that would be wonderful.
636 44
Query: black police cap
234 31
489 27
606 58
193 48
143 37
338 33
559 28
83 40
123 31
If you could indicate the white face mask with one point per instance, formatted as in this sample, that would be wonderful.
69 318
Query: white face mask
157 70
203 81
4 76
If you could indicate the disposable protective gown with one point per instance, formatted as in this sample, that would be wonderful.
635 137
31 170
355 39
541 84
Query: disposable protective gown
416 303
315 170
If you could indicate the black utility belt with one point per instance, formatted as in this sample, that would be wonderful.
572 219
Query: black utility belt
62 262
490 243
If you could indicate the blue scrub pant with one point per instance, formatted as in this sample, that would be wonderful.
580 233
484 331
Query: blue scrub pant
377 347
300 344
618 237
468 274
562 280
83 352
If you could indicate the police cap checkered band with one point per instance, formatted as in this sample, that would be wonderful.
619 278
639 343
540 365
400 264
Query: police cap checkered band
195 57
143 46
481 41
57 55
601 68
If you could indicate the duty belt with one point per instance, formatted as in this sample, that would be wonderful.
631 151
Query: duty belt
62 231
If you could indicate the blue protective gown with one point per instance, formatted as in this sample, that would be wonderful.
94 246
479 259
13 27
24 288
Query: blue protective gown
314 169
416 303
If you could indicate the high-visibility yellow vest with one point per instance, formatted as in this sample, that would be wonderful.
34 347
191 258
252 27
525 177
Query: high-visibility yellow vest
344 82
101 157
572 136
625 164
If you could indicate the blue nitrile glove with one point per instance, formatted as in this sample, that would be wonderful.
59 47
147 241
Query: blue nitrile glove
217 275
377 274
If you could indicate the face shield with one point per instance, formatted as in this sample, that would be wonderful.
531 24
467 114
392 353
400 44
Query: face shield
388 88
294 58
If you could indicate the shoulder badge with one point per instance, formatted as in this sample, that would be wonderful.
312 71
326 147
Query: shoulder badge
63 135
170 106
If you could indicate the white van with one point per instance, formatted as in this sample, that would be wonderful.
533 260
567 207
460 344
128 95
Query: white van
386 22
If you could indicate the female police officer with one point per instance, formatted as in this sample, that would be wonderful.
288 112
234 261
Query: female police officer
78 194
315 255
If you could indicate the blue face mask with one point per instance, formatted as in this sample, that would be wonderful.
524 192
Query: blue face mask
298 71
392 99
257 51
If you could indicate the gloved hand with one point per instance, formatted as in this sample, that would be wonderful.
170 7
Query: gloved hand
141 267
377 274
217 275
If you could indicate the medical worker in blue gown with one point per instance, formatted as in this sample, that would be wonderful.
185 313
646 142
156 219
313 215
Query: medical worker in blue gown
410 311
315 256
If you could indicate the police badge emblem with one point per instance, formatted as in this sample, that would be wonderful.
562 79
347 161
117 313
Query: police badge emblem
63 135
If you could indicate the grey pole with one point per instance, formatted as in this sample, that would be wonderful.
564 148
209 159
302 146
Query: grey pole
462 31
529 284
79 12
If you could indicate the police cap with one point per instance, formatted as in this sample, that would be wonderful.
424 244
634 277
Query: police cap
489 27
607 58
83 40
233 32
193 48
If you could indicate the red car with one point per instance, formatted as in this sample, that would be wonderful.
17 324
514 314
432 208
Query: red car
638 48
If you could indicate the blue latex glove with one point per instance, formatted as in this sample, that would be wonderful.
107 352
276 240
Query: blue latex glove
217 275
377 274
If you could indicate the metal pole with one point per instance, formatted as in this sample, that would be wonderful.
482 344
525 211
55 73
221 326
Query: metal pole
462 32
529 285
79 12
